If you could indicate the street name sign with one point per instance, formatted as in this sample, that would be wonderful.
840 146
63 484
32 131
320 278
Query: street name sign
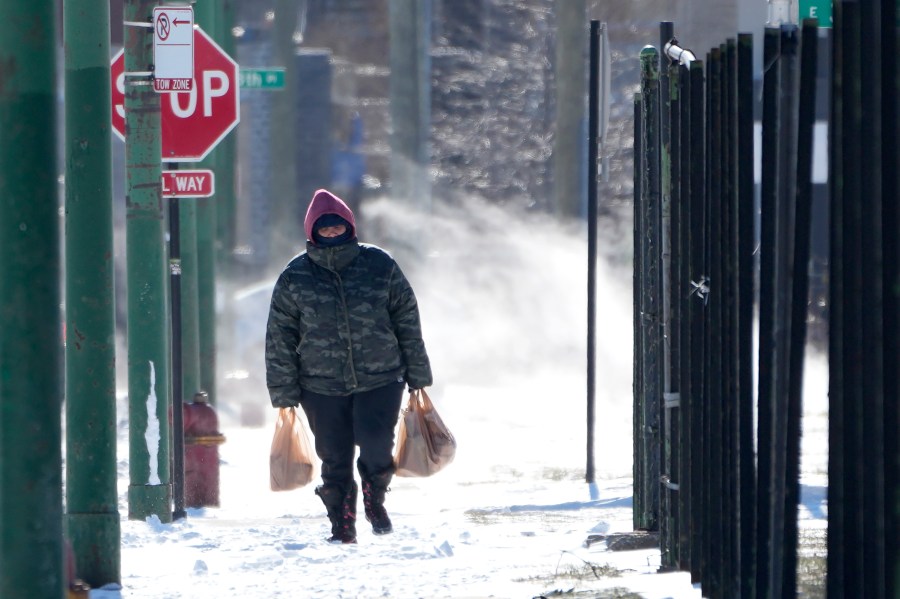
817 9
173 48
266 79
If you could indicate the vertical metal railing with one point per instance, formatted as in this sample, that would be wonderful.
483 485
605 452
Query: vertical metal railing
864 298
732 524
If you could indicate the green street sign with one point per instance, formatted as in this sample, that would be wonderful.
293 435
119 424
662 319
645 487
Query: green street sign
266 79
816 9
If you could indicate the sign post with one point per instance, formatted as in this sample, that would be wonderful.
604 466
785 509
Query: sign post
200 107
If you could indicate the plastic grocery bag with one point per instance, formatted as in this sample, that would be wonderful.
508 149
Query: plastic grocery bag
291 461
424 443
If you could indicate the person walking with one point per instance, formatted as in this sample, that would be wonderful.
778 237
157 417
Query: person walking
343 338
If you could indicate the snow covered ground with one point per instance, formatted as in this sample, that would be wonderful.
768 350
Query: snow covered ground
503 314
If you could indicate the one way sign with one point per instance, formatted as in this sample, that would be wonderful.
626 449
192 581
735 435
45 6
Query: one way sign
188 184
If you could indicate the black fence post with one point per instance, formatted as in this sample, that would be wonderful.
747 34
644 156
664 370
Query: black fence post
781 333
837 537
715 535
802 234
698 315
768 191
674 462
638 284
890 22
855 567
872 301
651 305
667 399
730 482
745 199
681 291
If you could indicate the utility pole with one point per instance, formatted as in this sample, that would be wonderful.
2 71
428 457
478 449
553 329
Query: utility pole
226 197
150 490
410 96
92 516
282 138
188 215
191 291
31 536
207 214
570 145
225 226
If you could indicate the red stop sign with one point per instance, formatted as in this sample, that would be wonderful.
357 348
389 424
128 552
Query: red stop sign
193 122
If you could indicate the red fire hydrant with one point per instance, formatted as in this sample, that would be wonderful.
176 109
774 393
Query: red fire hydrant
201 453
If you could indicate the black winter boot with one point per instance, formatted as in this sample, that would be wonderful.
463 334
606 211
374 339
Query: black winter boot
341 508
374 489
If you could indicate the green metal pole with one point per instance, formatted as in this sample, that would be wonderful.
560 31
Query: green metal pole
226 196
190 328
206 296
150 491
31 535
226 208
283 139
569 148
206 224
92 518
410 93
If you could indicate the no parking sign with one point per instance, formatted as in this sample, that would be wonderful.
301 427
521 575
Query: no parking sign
173 48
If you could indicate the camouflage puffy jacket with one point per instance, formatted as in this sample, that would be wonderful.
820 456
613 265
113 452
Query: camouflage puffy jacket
343 320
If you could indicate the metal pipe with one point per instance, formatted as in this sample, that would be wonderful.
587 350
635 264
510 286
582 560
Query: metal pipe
678 54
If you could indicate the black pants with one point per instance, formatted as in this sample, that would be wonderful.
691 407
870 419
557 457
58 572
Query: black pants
340 423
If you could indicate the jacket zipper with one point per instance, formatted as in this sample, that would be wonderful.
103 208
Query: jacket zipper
346 313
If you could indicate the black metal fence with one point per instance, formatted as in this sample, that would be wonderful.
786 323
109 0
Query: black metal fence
719 260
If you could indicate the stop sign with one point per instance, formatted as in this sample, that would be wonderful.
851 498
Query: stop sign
193 122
